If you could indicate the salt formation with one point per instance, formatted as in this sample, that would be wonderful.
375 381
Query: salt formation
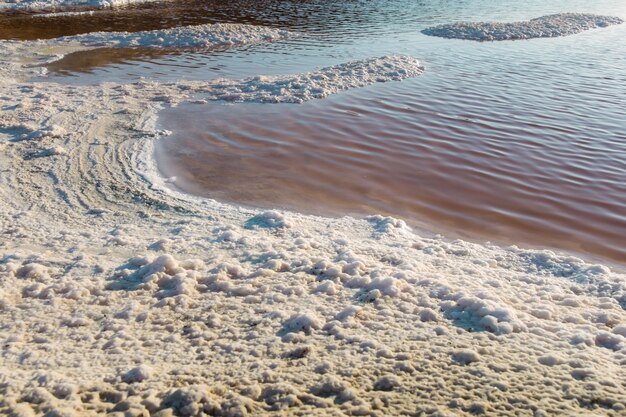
313 85
63 14
562 24
51 4
121 296
199 36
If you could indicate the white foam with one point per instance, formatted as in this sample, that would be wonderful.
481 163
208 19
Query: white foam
562 24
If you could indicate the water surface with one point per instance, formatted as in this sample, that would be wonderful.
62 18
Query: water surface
518 142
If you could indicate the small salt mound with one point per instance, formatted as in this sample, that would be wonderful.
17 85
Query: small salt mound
200 36
480 314
270 219
465 356
138 374
302 322
551 26
388 225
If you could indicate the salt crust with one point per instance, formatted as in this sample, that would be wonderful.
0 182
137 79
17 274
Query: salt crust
198 36
63 14
184 37
54 4
120 295
551 26
313 85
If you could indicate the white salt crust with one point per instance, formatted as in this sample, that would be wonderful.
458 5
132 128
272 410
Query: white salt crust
63 14
198 36
60 4
119 295
551 26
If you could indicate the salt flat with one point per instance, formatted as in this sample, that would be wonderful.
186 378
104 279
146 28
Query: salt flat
120 295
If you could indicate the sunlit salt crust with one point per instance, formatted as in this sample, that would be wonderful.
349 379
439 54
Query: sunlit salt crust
58 4
199 36
120 295
562 24
64 14
317 84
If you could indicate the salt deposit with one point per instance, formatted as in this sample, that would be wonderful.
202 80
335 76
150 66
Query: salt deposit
120 295
26 59
199 36
63 14
562 24
313 85
52 4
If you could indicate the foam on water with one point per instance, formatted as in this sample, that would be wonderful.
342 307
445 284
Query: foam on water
562 24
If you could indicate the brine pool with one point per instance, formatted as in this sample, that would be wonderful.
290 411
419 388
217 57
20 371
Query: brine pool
520 142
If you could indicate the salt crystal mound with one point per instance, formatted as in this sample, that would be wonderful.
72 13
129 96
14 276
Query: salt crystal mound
314 85
551 26
199 36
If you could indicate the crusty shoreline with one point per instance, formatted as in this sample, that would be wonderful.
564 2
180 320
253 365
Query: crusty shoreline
119 295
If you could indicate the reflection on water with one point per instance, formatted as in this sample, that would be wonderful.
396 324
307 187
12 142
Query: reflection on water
520 142
89 60
331 31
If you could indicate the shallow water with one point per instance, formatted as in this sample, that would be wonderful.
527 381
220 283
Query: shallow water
519 142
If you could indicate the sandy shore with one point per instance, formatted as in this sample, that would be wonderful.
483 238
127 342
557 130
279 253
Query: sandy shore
119 295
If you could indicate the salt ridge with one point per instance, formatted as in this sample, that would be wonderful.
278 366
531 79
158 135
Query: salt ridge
555 25
64 14
198 36
313 85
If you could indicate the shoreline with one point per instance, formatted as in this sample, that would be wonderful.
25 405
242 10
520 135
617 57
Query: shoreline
324 308
118 295
422 225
